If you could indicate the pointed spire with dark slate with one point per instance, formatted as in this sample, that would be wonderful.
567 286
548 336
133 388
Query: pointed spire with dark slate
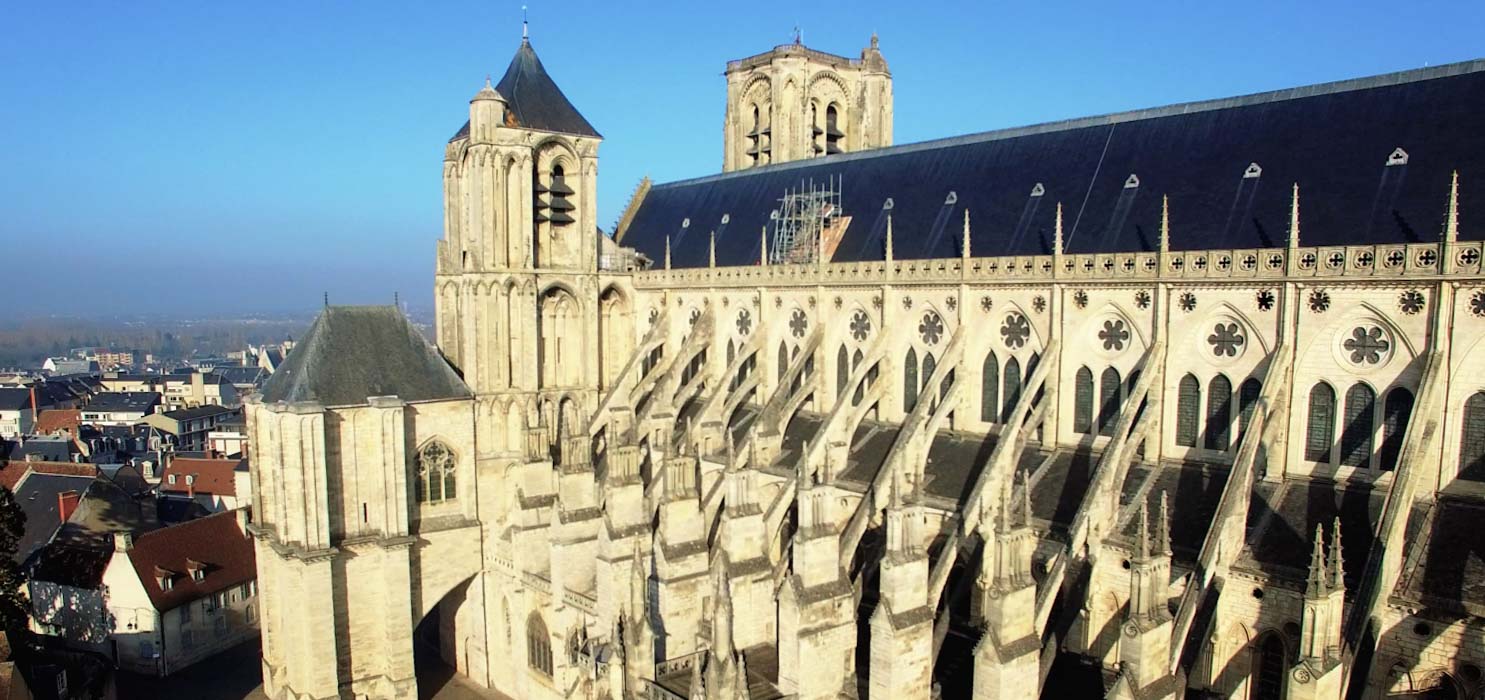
1337 573
533 100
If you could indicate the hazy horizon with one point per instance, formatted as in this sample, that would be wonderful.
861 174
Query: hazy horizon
190 159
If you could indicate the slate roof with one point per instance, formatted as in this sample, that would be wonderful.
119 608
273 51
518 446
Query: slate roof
1332 139
37 494
534 100
13 399
1445 567
351 353
122 401
184 414
214 541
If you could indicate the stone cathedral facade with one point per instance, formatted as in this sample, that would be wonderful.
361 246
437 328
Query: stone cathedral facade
1183 402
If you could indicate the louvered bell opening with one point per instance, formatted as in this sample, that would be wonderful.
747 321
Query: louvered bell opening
816 130
562 217
832 148
560 186
539 188
541 217
755 150
834 133
561 204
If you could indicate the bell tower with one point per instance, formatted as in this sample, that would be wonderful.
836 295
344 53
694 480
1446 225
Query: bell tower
794 102
516 282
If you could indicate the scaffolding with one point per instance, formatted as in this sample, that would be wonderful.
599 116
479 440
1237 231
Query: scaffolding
804 214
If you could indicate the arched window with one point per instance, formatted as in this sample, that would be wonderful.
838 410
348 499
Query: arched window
435 482
1108 407
1271 667
1395 413
910 381
834 137
1219 413
990 388
1472 439
1012 389
1360 422
860 388
1321 431
842 370
1083 401
1188 410
930 365
538 646
783 360
1247 403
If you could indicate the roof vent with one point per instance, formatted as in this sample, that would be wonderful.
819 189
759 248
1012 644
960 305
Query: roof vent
952 198
1037 190
1252 172
686 222
726 218
1132 182
887 205
1398 157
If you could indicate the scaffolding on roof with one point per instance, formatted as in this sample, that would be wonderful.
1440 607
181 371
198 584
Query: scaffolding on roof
804 213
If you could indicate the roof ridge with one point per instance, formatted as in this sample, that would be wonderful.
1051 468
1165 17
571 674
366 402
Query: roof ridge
1110 118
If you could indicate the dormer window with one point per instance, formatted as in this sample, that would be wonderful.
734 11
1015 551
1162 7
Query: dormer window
197 570
172 479
165 578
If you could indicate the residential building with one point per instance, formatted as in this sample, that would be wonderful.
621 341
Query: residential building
67 365
229 437
59 422
191 426
180 594
194 389
17 411
120 408
210 482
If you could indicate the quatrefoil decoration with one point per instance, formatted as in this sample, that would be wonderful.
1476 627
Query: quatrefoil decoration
1114 335
1367 345
1015 330
1264 299
1226 339
744 321
1319 301
798 323
860 326
1410 302
1080 298
931 328
1142 299
1188 302
986 303
1039 303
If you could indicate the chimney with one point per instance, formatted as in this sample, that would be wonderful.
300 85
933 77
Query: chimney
66 504
191 485
123 541
33 406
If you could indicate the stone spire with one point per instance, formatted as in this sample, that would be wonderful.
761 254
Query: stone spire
1337 574
1315 586
1026 497
889 238
1057 232
964 243
667 252
763 245
1163 539
1165 223
1144 535
1451 217
1294 218
711 251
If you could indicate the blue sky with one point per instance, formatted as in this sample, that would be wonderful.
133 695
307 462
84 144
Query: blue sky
243 157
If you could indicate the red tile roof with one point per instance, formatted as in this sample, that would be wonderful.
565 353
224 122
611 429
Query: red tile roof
12 471
54 419
214 544
212 476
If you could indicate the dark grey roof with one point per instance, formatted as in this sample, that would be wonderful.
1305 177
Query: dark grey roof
13 399
37 493
354 352
45 449
1334 140
124 401
198 412
535 100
